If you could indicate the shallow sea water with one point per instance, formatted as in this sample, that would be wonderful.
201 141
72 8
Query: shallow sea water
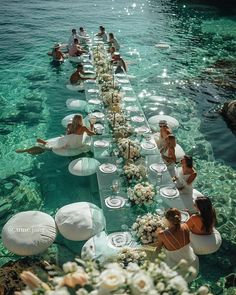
33 95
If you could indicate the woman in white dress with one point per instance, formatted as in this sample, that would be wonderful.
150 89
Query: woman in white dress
164 132
205 239
75 138
185 175
168 153
175 240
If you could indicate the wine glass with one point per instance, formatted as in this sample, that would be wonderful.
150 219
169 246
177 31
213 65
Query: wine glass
93 120
115 186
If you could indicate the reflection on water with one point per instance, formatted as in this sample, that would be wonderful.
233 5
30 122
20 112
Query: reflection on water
187 80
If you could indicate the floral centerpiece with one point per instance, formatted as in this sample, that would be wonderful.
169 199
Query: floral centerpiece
122 131
116 119
134 173
127 255
145 227
89 278
129 149
110 96
104 77
142 193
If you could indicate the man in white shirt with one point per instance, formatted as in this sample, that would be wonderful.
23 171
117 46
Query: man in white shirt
72 37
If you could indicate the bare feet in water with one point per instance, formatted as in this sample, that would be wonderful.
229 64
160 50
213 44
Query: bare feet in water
39 140
35 150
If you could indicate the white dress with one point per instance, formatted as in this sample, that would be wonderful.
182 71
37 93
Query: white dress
186 253
69 145
186 193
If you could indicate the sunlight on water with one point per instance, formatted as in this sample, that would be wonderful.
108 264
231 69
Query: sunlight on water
181 80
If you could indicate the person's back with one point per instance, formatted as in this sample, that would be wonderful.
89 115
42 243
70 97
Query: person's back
72 37
174 240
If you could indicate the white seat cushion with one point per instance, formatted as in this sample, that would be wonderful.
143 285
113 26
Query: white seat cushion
29 233
80 221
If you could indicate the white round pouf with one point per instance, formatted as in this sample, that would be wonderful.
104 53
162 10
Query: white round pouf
83 166
75 87
206 244
76 104
154 121
80 221
29 233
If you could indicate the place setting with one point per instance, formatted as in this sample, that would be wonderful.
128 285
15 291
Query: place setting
101 143
108 168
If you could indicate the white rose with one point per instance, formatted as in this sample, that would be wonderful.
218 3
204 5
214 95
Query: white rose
70 267
178 283
203 290
111 279
141 283
61 291
82 291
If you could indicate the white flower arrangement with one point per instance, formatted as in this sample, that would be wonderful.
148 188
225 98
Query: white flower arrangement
145 227
122 131
116 119
142 193
128 255
129 149
134 173
93 279
110 96
104 77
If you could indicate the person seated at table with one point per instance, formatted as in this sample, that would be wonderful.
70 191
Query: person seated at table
112 50
120 64
76 127
79 75
176 241
57 55
83 36
73 36
113 42
76 49
205 239
168 153
164 132
184 177
102 34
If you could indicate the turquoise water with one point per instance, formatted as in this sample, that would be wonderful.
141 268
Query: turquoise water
33 95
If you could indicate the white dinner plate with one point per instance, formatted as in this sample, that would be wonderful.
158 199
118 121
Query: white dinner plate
142 129
158 167
137 119
132 109
101 143
119 239
169 192
115 202
93 91
98 115
129 98
108 168
148 145
94 101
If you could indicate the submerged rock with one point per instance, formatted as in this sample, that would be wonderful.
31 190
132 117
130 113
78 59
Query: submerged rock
228 111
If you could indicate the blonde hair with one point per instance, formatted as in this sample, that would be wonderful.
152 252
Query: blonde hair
76 122
171 141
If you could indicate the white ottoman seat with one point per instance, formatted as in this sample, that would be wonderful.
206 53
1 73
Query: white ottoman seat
80 221
29 233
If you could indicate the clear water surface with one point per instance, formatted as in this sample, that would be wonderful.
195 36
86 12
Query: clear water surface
187 78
